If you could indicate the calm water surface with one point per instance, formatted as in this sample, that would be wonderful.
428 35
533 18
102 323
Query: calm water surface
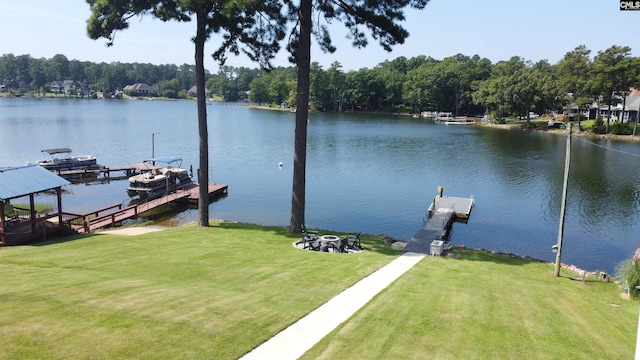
369 173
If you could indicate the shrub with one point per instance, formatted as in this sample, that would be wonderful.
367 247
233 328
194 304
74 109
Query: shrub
169 94
628 272
598 126
577 116
618 128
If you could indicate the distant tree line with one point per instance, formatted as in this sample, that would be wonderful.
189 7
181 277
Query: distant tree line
25 73
459 84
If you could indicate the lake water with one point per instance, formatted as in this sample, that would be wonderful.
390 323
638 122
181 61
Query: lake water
370 173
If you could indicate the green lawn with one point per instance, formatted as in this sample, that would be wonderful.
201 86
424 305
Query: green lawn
215 293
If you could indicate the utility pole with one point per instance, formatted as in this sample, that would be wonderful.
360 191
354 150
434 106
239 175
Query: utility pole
567 163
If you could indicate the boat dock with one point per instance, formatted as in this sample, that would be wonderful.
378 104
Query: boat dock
92 173
94 221
433 237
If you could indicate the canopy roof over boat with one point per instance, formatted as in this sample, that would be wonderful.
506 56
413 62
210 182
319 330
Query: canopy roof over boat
164 159
56 151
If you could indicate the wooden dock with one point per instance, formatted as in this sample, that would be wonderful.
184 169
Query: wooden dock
438 222
190 195
106 172
215 190
460 206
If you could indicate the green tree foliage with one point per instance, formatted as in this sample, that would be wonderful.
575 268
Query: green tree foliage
518 87
392 81
319 91
259 90
38 76
103 77
608 75
232 83
336 85
414 89
59 67
462 84
573 70
278 88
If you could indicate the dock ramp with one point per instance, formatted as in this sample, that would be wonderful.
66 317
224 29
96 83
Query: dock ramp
438 222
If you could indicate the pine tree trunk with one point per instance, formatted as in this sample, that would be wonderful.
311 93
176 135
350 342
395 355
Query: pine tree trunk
302 114
203 135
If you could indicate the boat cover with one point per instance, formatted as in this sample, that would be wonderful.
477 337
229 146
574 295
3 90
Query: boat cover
56 151
164 159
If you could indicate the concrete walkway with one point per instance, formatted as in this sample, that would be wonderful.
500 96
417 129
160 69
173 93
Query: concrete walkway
134 230
294 341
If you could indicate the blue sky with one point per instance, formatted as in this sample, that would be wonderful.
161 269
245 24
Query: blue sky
497 30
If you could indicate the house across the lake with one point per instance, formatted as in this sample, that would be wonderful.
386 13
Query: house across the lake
68 86
140 88
626 109
194 92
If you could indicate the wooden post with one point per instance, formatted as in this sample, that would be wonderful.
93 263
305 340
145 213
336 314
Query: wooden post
567 164
2 224
32 202
59 195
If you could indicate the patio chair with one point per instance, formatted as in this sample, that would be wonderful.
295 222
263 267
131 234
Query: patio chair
313 245
310 233
308 238
353 242
341 247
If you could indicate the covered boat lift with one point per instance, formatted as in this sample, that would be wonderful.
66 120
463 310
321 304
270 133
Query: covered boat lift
21 225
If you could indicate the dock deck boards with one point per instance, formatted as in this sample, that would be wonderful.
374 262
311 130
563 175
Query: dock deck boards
442 212
461 206
135 210
214 190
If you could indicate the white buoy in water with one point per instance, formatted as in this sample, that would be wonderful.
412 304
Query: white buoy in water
280 164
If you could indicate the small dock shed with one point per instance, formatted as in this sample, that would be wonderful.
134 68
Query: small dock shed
18 225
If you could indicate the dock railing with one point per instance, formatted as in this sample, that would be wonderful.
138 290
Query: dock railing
82 221
131 211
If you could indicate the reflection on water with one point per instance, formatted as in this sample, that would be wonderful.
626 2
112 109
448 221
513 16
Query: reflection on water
370 173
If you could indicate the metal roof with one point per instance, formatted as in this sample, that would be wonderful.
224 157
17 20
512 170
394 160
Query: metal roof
24 180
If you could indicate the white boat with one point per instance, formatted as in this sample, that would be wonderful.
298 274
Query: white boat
449 119
155 181
61 159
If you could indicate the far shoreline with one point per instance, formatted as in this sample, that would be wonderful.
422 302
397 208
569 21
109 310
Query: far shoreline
508 126
579 133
